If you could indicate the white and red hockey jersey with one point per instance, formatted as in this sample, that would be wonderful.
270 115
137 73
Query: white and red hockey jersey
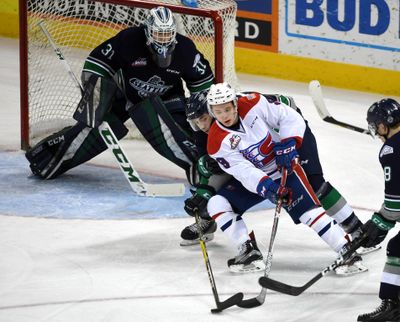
247 152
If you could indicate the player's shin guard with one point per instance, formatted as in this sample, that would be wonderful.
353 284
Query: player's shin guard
158 127
327 228
337 207
390 278
230 223
249 258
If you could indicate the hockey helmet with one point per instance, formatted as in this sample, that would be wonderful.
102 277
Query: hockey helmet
160 30
196 105
220 93
386 112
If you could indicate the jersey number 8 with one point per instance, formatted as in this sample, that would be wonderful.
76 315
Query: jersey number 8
387 173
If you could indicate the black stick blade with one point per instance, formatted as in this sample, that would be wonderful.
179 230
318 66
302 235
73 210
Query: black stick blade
233 300
332 120
280 287
250 303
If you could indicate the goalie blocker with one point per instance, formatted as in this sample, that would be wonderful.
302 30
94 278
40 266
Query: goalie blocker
75 145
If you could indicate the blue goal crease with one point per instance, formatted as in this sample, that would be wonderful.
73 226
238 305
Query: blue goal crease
85 192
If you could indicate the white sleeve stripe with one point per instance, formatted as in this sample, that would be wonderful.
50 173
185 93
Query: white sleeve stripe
93 72
101 64
390 278
201 82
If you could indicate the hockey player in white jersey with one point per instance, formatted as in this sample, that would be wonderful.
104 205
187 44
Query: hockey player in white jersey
245 142
332 201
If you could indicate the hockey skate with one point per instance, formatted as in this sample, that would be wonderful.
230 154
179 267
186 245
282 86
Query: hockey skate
190 234
249 259
366 250
363 250
353 265
389 311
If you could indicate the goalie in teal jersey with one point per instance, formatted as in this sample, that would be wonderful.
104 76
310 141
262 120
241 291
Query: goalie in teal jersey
139 74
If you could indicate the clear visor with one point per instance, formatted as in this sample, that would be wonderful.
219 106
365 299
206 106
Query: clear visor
372 128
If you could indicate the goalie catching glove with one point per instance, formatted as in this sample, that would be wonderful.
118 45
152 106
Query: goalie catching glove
267 188
198 202
376 229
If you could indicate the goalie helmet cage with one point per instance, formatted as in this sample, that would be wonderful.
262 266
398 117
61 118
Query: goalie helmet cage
48 95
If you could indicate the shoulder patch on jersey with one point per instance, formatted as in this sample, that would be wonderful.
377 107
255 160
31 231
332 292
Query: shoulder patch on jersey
246 103
198 65
234 140
386 150
215 137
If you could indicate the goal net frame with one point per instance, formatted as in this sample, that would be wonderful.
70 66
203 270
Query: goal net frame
210 13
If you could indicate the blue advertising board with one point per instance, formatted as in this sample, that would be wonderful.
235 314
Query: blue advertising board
259 6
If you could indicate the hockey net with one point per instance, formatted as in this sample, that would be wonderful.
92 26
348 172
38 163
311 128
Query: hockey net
48 94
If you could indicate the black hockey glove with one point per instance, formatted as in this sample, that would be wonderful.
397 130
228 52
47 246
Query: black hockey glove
207 166
198 202
376 229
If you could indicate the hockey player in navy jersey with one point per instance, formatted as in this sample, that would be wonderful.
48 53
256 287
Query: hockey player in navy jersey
245 143
211 177
136 74
383 119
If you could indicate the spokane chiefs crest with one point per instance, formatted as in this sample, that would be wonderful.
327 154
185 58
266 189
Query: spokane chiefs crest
234 140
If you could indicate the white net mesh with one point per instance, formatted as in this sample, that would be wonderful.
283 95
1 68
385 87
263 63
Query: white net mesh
78 26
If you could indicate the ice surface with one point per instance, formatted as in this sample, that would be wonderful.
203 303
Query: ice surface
129 266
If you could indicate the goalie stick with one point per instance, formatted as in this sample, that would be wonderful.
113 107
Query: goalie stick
260 298
137 184
234 299
297 290
316 94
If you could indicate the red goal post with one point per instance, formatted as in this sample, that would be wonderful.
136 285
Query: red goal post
48 95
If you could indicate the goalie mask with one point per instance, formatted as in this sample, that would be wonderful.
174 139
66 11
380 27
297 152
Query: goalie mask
160 29
386 112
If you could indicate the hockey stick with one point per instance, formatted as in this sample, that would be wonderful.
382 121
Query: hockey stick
297 290
234 299
137 184
316 94
260 298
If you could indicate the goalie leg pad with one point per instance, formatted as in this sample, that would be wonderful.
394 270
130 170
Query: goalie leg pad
44 154
165 135
97 97
68 148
